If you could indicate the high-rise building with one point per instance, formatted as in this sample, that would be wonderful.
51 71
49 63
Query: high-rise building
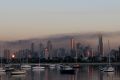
78 50
72 44
32 54
7 55
50 48
72 50
41 50
119 52
100 47
46 53
32 48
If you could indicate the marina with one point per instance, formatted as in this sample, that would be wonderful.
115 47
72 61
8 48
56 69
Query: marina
83 73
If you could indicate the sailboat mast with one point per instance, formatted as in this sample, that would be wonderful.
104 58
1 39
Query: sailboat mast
1 61
39 53
1 57
109 51
76 56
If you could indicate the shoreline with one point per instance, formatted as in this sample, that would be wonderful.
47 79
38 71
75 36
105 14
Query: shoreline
45 64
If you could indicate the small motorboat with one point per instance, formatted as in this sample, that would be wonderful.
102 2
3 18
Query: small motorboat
9 68
26 67
109 69
58 67
18 72
67 70
76 66
2 69
52 66
38 68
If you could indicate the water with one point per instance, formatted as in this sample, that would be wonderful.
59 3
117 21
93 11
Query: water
84 73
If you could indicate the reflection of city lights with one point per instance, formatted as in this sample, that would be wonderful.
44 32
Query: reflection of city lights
13 56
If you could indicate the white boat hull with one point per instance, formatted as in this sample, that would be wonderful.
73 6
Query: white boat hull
38 68
52 66
18 72
2 70
26 67
110 69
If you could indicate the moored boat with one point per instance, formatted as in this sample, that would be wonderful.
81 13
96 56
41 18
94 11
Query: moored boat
2 69
67 70
52 66
18 72
26 67
38 68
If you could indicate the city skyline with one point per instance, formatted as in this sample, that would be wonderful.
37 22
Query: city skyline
59 39
28 19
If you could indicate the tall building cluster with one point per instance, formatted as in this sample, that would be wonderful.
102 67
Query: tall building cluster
48 51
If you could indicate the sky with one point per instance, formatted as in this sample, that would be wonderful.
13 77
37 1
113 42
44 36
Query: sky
22 19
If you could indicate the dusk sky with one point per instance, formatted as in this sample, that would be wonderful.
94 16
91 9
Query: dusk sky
22 19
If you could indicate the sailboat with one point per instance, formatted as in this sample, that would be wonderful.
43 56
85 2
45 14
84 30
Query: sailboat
38 68
26 66
1 67
76 65
52 66
18 71
65 69
109 67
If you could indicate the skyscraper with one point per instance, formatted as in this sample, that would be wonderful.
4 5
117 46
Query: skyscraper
50 48
7 55
32 49
46 53
100 47
72 44
119 52
41 50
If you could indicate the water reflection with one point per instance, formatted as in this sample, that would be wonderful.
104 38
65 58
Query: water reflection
84 73
17 77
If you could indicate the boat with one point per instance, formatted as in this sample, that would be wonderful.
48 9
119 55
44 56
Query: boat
67 70
2 69
17 69
8 69
76 66
109 67
38 68
18 72
52 66
26 67
58 67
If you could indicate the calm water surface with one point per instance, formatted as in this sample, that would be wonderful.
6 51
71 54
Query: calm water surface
84 73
